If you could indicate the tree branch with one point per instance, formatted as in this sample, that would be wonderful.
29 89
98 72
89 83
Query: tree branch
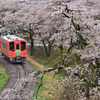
65 15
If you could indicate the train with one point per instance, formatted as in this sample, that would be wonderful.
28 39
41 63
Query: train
13 48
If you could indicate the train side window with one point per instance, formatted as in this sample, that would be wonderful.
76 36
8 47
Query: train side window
17 46
4 45
23 46
11 46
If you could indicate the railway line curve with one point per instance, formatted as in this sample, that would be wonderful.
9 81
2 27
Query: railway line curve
20 81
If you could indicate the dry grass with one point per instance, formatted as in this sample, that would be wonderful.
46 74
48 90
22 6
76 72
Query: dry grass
51 88
47 95
51 74
34 63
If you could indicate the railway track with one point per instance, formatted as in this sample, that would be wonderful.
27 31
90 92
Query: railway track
21 72
19 83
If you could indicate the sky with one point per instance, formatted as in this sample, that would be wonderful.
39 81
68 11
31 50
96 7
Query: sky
27 0
35 1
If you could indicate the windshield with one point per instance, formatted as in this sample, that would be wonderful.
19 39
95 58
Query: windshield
11 46
23 45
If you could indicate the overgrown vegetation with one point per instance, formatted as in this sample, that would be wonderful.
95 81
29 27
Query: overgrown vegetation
51 88
77 75
3 77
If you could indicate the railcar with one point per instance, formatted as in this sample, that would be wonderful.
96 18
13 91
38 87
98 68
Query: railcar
13 48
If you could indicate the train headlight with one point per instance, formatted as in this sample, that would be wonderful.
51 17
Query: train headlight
11 53
23 52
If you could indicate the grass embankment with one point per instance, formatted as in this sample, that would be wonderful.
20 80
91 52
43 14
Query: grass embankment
37 66
51 88
3 77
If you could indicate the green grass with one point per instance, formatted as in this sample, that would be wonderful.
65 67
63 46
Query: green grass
49 80
3 77
36 68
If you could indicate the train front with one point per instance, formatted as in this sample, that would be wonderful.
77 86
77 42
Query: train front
17 51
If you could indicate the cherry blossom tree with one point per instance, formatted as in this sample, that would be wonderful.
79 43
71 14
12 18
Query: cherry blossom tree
78 33
73 27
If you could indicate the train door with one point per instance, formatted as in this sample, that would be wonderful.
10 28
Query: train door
18 48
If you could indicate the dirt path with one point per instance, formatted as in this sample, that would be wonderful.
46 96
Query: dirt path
35 63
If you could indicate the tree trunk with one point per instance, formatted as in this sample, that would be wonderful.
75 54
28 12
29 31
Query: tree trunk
49 47
61 49
32 42
45 47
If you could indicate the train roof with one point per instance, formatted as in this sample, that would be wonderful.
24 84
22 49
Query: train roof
11 37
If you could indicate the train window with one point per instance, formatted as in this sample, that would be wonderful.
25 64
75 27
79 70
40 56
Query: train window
11 46
4 45
23 46
17 46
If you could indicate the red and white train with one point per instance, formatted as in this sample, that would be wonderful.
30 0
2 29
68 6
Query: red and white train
13 48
